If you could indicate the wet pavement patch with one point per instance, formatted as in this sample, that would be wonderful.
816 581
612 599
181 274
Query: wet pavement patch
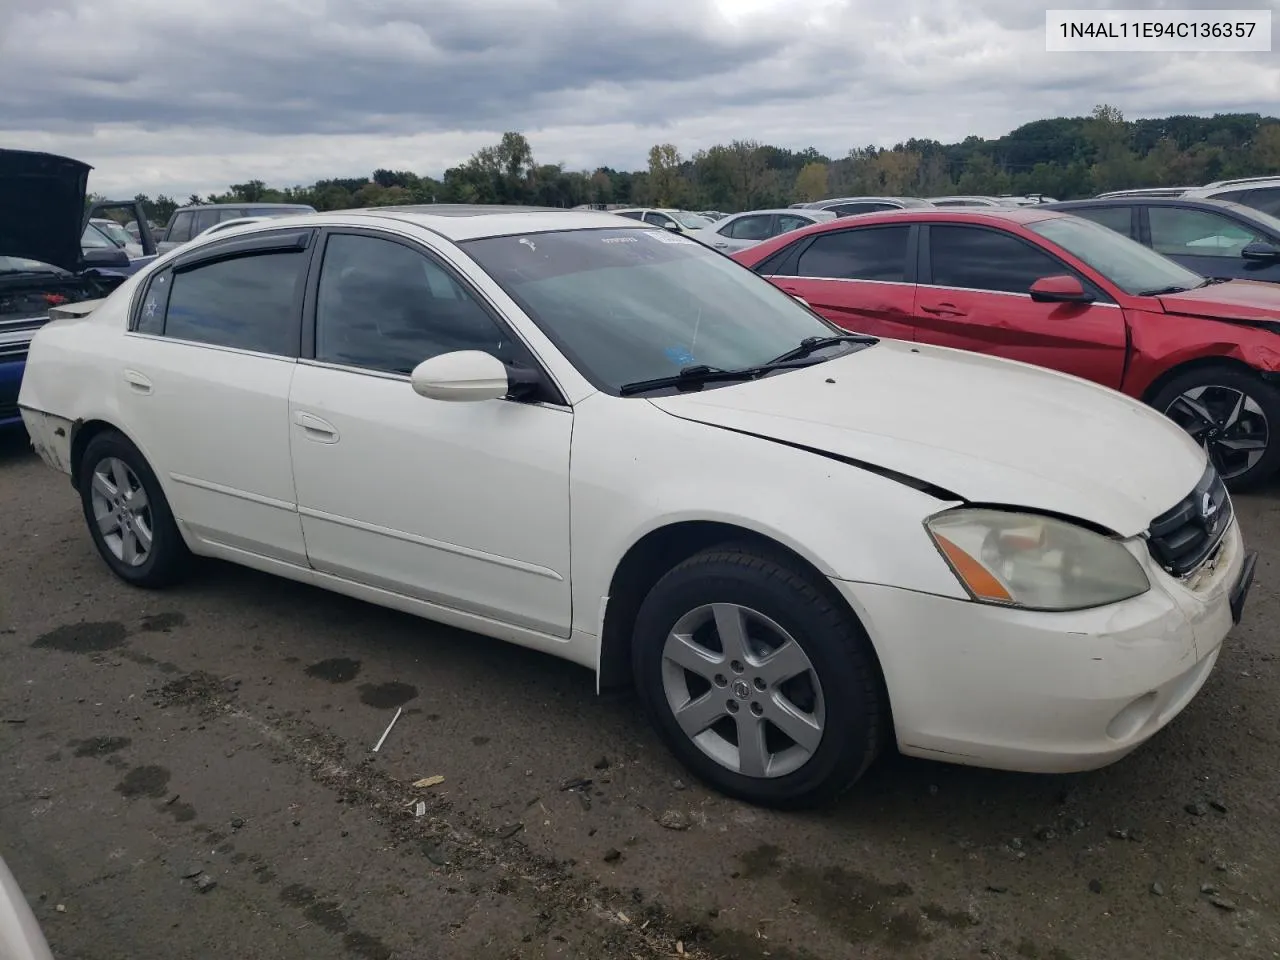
335 670
84 637
327 915
385 696
163 622
99 746
148 781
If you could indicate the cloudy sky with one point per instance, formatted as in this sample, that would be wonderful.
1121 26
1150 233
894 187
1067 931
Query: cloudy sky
182 96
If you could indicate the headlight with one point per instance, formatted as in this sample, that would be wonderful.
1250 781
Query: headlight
1034 562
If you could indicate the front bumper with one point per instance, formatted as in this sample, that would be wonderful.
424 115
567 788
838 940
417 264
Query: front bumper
1049 692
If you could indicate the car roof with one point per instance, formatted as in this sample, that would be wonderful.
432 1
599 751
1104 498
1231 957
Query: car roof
1203 203
460 221
988 215
244 203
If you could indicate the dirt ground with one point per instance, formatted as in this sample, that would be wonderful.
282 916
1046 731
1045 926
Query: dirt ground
189 774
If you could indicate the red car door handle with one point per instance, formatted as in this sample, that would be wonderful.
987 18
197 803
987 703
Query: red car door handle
944 310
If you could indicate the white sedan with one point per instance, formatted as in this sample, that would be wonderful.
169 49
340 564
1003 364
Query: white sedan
741 230
605 441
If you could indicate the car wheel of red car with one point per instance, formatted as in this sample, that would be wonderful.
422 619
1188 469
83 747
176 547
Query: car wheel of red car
1233 414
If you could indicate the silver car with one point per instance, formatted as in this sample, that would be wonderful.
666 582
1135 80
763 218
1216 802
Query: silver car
741 230
20 936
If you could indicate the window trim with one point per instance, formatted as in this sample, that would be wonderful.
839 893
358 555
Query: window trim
170 266
307 349
925 264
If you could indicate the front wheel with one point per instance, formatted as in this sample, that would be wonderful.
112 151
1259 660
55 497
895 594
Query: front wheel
128 515
757 680
1233 414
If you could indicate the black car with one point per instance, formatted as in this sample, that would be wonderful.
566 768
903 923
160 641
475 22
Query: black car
1214 238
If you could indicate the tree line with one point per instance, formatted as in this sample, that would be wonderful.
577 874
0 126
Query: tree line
1064 157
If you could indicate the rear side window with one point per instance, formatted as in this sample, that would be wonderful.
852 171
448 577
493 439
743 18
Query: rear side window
180 229
204 220
247 303
973 258
749 228
788 222
1119 219
853 209
871 254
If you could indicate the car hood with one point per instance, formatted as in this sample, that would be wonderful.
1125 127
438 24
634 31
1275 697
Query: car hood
988 430
1234 300
42 205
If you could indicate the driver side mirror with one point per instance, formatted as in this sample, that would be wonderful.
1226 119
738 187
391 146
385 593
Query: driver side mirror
108 258
1060 289
673 227
1260 250
468 376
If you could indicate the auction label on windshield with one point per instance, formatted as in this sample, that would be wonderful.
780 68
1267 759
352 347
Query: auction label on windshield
1157 31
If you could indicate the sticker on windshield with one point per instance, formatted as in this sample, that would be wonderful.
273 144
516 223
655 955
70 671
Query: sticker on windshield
619 240
680 356
666 236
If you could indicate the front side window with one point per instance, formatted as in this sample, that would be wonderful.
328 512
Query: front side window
384 306
629 305
877 253
1267 200
204 220
658 219
1132 267
853 209
1197 233
248 303
977 259
789 221
95 239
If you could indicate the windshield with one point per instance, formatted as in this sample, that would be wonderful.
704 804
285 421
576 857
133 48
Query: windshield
1128 264
691 221
626 305
95 238
1260 217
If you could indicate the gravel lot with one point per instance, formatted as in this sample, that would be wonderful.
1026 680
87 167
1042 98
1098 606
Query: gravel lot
189 774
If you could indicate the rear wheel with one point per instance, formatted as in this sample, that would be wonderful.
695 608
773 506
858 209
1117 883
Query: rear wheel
757 680
1233 414
128 515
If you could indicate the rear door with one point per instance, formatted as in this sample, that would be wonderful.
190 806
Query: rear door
974 294
1208 242
861 278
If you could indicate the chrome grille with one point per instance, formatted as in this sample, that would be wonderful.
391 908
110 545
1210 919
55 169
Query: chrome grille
1183 537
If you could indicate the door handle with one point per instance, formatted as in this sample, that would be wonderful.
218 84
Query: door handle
720 245
137 382
313 428
944 310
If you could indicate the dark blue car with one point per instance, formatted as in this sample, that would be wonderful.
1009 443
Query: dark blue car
1214 238
43 264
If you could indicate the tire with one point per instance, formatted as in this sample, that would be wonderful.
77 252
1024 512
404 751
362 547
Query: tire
744 584
1214 390
123 468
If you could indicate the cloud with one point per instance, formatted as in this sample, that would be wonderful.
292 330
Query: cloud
180 96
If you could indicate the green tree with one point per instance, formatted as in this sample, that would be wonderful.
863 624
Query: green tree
665 186
811 182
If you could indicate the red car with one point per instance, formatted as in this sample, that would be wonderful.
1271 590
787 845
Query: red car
1061 292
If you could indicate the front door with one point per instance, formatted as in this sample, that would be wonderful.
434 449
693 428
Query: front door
465 505
861 279
974 294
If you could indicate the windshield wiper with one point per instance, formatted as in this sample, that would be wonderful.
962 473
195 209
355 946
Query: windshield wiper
809 344
696 376
1161 291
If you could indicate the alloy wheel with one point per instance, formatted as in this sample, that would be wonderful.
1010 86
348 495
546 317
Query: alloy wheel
743 690
122 511
1227 422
